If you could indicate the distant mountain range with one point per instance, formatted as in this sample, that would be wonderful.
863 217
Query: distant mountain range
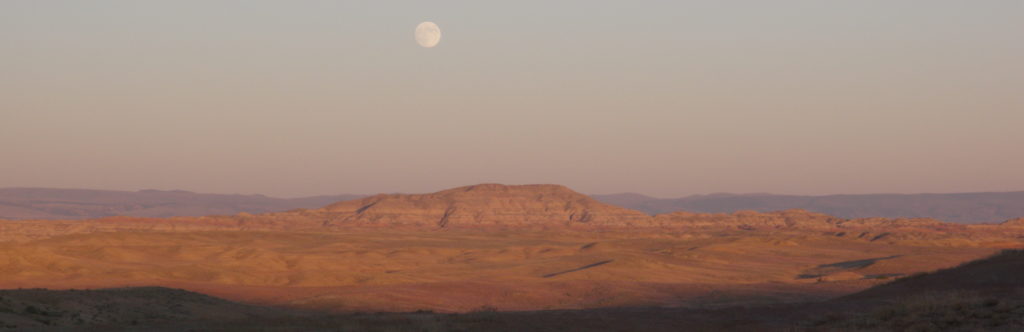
46 203
960 207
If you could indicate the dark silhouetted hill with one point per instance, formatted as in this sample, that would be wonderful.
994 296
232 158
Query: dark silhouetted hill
94 310
999 274
982 295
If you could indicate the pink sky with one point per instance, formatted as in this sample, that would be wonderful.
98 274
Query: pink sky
292 99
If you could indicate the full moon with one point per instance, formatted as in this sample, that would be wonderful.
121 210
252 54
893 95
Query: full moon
428 34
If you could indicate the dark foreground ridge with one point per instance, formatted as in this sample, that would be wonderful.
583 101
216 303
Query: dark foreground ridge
982 295
119 307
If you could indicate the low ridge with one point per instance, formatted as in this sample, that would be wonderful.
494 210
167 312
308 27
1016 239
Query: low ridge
77 204
1018 222
527 207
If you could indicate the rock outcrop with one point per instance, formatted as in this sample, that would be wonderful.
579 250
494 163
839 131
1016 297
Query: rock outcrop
750 220
485 205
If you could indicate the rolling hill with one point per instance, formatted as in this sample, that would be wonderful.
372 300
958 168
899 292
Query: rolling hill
527 247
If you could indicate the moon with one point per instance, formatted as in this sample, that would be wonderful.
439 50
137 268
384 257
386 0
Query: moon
428 34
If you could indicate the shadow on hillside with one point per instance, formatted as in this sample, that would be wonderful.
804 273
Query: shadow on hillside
981 295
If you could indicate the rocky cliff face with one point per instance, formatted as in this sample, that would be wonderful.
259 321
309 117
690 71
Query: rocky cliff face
483 205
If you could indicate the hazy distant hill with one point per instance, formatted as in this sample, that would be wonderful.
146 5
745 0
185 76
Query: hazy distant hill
45 203
963 207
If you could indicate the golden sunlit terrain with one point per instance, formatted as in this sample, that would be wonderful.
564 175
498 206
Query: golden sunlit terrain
524 166
535 248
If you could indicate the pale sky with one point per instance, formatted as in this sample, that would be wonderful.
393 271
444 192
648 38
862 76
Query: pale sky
666 98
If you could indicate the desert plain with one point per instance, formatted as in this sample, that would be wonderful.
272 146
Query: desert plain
491 248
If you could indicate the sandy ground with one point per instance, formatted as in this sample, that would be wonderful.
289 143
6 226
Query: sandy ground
464 271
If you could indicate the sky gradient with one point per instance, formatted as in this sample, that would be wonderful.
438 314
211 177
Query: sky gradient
666 98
